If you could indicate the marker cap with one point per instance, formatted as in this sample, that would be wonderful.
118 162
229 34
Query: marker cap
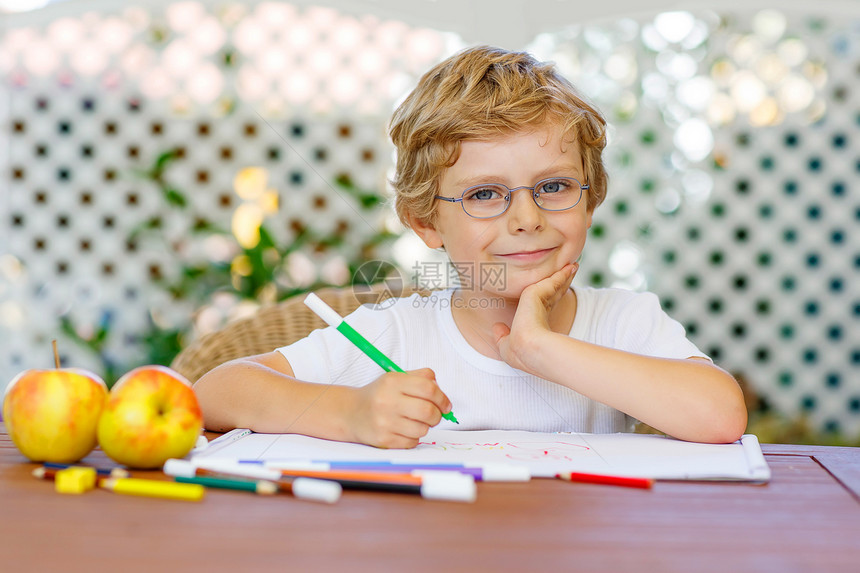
448 486
237 469
179 468
505 472
323 310
317 489
184 468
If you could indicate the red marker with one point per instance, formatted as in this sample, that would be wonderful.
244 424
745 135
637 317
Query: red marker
642 483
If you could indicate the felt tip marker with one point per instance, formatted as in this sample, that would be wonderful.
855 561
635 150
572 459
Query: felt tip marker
443 486
333 319
481 472
354 475
643 483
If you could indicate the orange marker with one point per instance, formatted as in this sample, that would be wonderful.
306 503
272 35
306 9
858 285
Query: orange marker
356 475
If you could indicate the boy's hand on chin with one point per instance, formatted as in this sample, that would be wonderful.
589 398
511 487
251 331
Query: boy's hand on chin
531 319
397 409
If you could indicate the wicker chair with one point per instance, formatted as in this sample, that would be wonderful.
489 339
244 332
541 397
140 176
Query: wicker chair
271 327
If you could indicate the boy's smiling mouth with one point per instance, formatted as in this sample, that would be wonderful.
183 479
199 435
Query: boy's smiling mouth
526 255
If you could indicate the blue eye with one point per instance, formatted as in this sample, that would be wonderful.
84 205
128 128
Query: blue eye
483 194
554 186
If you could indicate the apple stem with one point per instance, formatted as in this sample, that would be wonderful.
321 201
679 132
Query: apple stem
56 354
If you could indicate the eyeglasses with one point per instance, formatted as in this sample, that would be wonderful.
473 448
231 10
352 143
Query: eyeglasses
492 200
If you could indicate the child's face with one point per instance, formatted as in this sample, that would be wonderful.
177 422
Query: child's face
527 242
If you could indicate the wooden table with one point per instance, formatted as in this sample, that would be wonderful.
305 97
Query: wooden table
806 519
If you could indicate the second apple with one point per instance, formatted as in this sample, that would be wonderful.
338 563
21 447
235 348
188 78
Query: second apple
151 415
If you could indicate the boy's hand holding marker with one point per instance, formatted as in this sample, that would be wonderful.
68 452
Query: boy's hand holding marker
396 409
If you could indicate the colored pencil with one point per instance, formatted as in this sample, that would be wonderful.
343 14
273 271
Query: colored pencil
108 472
333 319
261 487
45 473
642 483
154 488
302 488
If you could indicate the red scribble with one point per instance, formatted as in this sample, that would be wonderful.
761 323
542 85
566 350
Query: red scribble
553 451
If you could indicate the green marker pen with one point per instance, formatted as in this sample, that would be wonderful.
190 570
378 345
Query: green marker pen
332 318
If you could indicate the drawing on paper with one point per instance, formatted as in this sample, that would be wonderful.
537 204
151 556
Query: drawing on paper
545 454
524 451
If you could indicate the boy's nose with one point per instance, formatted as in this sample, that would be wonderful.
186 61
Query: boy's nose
523 213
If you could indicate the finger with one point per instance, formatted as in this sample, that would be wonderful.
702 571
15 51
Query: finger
421 386
406 434
552 288
424 373
396 442
570 271
500 330
421 411
553 282
565 275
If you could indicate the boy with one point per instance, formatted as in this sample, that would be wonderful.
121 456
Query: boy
499 163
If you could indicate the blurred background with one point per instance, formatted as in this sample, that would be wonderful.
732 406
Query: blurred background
166 167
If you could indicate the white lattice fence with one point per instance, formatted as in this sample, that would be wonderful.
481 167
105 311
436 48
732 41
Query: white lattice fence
734 163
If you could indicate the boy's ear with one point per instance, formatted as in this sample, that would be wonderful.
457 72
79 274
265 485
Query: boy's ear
427 232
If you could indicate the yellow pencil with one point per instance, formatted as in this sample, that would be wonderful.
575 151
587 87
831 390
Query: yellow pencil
154 488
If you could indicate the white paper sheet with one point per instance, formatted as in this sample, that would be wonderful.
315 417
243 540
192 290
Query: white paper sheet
544 454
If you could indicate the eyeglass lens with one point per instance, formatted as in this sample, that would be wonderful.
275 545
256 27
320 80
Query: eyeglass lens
558 194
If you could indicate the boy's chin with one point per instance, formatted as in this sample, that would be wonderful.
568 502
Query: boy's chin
510 286
516 284
509 291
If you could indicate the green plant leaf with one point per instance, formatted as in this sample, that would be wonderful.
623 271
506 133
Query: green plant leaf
175 198
163 160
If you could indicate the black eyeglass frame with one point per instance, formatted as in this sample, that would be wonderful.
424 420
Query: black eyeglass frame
535 194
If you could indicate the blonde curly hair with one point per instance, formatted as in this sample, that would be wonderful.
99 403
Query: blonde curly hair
477 94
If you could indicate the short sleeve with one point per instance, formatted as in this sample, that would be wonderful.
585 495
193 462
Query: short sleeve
645 328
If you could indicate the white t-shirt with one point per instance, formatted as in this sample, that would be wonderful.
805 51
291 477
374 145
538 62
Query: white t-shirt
418 332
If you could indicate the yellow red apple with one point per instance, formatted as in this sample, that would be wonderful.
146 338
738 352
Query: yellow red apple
52 415
151 415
